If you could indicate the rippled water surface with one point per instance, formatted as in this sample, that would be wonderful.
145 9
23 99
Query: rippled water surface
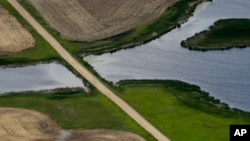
224 74
37 77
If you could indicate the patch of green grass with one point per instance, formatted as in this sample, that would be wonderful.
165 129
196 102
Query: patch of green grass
181 111
77 111
223 34
42 50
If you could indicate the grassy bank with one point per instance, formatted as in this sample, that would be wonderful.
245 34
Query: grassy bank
169 20
42 50
76 110
182 111
224 34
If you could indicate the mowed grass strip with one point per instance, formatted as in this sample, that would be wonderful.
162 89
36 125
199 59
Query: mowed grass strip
223 34
42 51
77 111
178 114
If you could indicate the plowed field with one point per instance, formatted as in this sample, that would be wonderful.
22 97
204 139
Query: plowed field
13 37
88 20
27 125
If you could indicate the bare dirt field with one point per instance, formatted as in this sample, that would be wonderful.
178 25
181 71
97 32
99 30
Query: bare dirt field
88 20
26 125
23 125
13 37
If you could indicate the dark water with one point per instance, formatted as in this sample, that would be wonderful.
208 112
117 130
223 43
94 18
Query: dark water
37 77
224 74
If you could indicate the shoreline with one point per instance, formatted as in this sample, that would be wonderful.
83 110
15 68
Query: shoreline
176 100
92 70
170 19
174 106
184 86
63 91
188 87
175 22
200 97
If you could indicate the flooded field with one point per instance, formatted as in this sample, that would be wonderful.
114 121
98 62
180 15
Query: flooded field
224 74
37 77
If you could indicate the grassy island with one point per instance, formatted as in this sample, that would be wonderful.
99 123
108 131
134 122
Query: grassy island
224 34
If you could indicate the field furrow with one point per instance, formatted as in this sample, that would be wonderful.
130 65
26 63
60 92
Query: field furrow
89 20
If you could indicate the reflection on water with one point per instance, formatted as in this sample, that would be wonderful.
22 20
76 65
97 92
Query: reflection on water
37 77
224 74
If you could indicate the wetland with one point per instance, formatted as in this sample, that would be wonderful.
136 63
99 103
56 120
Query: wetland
224 74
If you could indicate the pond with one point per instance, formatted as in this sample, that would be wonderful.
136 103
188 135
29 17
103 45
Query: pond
37 77
224 74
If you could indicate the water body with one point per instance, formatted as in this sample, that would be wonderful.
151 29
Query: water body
224 74
37 77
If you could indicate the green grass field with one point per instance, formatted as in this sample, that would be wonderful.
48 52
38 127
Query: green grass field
77 111
166 105
223 34
181 111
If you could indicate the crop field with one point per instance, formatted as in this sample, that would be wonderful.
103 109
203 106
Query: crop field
13 37
89 20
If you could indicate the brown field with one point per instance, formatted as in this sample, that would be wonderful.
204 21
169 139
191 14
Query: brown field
88 20
26 125
23 125
13 37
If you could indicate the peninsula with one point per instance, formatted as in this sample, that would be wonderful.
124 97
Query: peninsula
224 34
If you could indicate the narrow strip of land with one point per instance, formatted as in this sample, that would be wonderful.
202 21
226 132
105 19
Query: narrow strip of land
88 75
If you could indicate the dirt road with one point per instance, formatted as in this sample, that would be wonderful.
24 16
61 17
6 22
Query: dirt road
88 75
